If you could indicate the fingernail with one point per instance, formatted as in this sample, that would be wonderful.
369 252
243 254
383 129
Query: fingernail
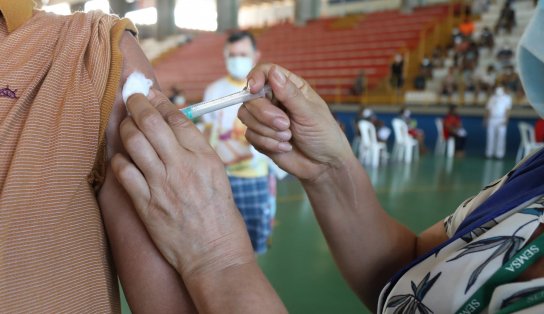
279 76
285 147
284 135
151 94
250 83
281 123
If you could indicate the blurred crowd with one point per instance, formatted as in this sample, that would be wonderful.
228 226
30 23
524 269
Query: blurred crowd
465 71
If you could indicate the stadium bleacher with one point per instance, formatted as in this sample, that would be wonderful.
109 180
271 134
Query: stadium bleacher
524 10
328 52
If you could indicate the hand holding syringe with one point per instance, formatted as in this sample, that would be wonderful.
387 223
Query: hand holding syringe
138 83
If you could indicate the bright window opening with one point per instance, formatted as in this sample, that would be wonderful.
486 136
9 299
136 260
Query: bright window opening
199 15
147 16
62 8
102 5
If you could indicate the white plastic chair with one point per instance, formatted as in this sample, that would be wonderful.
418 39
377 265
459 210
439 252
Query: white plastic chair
406 148
370 149
528 143
442 145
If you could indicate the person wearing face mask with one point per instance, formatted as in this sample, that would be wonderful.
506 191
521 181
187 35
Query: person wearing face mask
496 120
247 169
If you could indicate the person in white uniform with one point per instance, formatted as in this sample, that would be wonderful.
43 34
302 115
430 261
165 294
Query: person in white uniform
496 120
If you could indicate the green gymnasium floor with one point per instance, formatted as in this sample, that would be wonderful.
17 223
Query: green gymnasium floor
299 264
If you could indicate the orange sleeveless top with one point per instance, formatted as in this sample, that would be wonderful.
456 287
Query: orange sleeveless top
58 81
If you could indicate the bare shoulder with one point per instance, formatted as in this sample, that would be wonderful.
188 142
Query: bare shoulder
134 59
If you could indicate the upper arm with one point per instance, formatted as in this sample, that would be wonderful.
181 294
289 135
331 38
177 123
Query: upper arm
431 238
149 282
133 60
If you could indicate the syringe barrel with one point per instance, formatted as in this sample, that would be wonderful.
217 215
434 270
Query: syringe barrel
199 109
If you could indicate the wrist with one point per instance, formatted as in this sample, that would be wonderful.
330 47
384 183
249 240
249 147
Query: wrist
227 252
240 288
211 278
334 172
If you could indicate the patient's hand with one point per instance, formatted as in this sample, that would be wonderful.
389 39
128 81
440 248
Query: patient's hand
197 226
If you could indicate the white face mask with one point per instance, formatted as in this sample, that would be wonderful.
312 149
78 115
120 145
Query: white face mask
239 67
179 100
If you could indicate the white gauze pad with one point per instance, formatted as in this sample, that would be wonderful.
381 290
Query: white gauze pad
136 83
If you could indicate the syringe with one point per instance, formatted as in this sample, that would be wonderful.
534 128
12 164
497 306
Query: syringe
196 110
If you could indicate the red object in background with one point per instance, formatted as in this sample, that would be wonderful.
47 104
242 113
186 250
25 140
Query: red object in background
451 121
467 28
539 130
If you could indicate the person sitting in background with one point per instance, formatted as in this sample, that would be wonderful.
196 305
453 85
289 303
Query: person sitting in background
420 81
459 52
507 19
426 67
505 56
471 56
510 80
469 81
456 36
438 57
487 40
467 27
359 85
453 127
486 81
539 130
406 115
449 82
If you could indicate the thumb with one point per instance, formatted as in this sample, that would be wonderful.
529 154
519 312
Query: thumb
186 133
287 88
168 110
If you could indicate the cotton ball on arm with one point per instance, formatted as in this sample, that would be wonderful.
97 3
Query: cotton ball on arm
136 83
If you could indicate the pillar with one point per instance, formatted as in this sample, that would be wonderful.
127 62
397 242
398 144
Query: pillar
77 6
227 14
166 24
121 7
306 10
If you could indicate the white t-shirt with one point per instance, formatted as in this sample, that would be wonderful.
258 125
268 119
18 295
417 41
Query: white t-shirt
225 119
498 106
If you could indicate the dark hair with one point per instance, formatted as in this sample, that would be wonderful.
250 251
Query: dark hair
240 35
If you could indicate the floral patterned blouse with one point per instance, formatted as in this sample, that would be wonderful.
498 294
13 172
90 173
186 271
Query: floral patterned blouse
445 280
